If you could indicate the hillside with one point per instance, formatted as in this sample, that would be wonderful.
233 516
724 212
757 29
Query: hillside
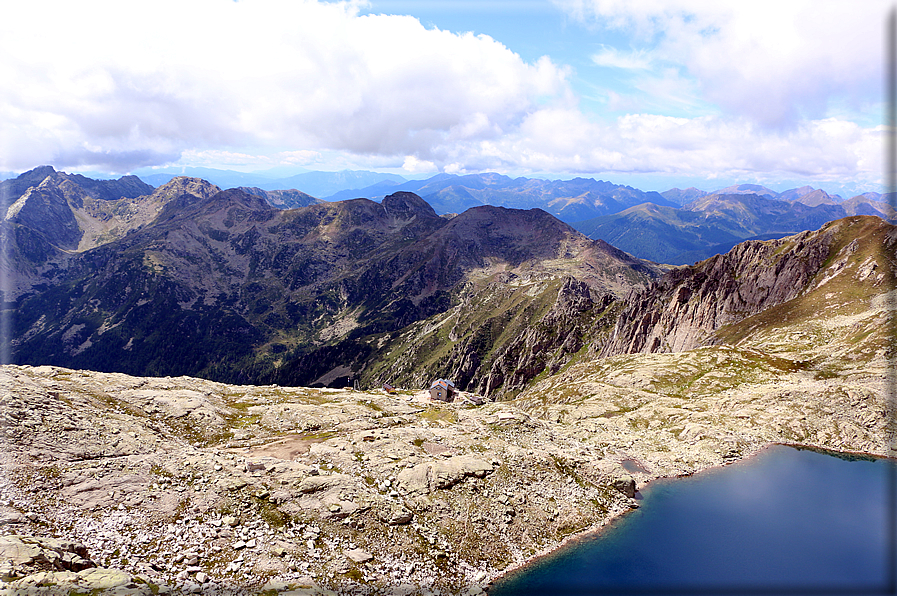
794 337
585 373
221 284
687 307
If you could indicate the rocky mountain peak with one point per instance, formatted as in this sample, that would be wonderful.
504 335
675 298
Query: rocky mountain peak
815 198
39 172
185 185
182 192
10 190
36 176
405 205
45 209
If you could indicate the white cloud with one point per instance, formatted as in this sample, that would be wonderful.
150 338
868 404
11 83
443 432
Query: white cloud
265 82
168 76
414 165
708 147
775 63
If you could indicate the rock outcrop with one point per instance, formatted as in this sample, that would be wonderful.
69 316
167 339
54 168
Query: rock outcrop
683 309
128 484
46 209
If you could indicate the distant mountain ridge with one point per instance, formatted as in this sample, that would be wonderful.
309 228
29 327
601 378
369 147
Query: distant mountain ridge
316 183
282 199
714 223
676 227
568 200
323 184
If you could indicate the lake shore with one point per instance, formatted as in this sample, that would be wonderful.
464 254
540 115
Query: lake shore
606 524
504 581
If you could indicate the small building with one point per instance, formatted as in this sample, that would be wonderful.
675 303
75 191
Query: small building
442 390
388 388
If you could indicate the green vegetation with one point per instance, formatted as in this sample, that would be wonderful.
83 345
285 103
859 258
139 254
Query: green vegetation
439 414
269 512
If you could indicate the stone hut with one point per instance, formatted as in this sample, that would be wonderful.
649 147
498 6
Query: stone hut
442 390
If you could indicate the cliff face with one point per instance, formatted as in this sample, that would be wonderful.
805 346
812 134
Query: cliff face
547 344
682 309
686 307
46 209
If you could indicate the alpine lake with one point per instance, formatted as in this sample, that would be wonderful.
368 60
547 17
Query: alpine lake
787 521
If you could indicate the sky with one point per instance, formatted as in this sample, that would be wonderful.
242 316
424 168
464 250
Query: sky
651 93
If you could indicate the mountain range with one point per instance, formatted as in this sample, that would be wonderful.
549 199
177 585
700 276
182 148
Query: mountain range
714 223
675 227
190 279
318 184
194 280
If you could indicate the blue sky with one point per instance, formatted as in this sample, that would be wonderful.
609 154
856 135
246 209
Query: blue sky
651 93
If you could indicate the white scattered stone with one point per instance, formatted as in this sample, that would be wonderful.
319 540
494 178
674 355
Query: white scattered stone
359 556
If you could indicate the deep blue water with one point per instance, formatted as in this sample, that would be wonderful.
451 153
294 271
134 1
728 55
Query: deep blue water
788 521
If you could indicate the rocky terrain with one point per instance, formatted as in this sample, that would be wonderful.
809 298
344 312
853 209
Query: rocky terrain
120 484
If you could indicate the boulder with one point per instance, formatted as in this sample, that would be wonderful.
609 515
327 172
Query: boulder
424 478
415 480
359 556
625 484
15 550
395 515
314 484
100 578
